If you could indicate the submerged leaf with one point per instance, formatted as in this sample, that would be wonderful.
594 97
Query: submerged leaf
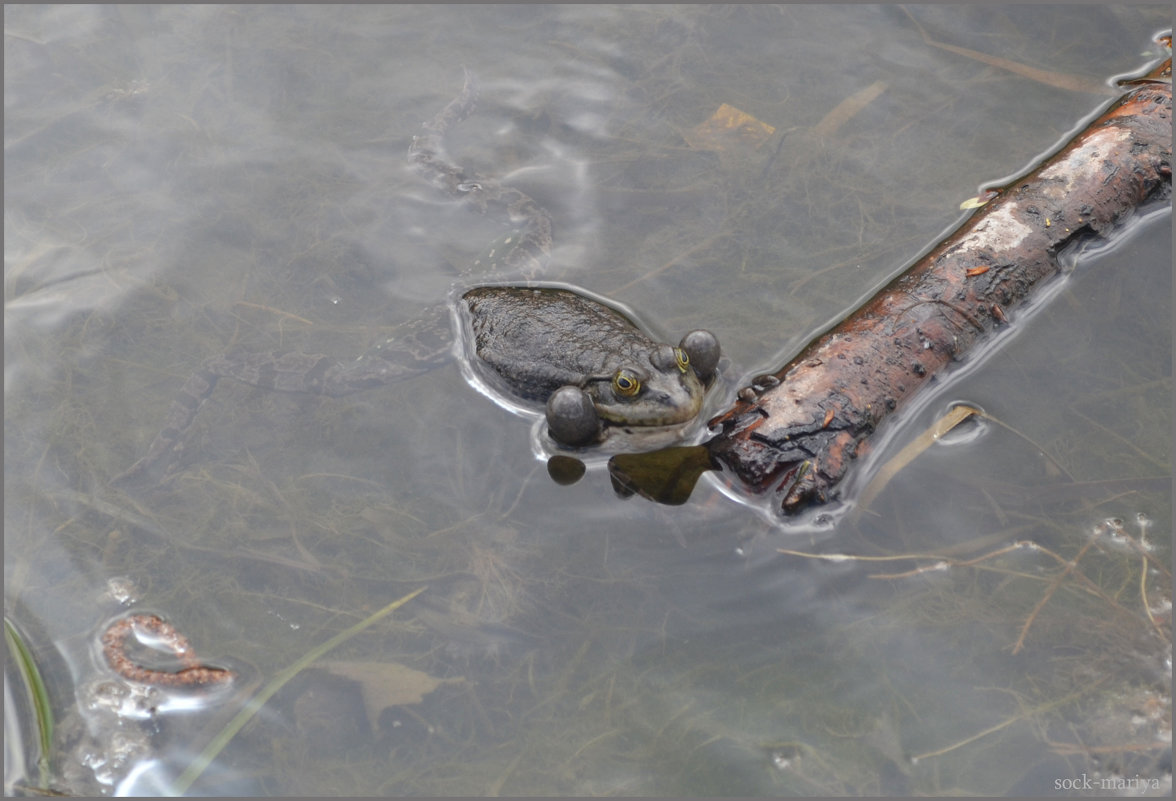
386 684
728 128
204 759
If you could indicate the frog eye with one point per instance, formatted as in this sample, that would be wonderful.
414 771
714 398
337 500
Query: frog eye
626 383
682 358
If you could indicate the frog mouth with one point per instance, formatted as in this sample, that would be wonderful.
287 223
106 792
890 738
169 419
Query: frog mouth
661 409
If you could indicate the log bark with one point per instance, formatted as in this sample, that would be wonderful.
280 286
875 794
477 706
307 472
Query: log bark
793 435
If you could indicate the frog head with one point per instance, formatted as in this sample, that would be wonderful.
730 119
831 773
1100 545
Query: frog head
665 390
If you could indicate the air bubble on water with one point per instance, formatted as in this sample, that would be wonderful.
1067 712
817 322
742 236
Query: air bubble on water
121 590
126 747
104 695
293 626
1144 522
99 765
142 702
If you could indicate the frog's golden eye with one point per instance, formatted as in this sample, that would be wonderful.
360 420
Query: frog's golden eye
626 383
682 358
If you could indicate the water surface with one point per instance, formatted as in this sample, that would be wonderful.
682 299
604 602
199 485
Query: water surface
182 180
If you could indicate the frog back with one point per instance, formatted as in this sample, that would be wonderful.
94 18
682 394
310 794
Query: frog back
530 341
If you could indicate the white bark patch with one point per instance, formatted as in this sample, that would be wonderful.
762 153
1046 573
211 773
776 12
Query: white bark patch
1085 162
1000 230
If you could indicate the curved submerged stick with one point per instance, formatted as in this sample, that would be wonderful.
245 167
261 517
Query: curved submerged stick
795 433
164 637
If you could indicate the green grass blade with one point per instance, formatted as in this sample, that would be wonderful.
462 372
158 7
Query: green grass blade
37 694
210 752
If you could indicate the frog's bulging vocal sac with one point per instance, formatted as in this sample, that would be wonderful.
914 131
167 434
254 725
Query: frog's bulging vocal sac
586 362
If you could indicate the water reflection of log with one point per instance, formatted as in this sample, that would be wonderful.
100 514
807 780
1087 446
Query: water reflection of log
795 433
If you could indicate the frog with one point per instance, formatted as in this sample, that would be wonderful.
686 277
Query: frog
586 363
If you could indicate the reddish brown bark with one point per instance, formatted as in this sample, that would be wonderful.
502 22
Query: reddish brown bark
794 440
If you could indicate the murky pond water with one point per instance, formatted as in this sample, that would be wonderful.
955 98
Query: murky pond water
185 180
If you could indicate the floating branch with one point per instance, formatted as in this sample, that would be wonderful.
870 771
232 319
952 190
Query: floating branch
793 435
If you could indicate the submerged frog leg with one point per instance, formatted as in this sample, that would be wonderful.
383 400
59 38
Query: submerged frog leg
530 248
426 150
416 347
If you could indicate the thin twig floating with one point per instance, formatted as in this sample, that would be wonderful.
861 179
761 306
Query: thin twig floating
1060 80
1057 582
246 304
1023 715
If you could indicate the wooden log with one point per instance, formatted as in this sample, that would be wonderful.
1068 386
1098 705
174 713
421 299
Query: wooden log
793 435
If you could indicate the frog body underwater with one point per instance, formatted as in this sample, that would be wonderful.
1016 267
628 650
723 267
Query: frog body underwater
585 361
